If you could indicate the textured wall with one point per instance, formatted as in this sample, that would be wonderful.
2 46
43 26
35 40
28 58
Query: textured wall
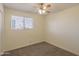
62 29
16 39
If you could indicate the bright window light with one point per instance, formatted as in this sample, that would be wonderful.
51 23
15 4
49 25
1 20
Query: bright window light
20 23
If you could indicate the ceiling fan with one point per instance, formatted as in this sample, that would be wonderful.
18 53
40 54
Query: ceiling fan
44 8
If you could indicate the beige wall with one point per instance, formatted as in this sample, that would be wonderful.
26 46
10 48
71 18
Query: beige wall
1 28
17 39
63 29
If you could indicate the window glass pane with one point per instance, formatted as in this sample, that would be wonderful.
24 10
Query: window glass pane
17 22
28 22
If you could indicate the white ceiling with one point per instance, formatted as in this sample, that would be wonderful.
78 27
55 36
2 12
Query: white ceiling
29 7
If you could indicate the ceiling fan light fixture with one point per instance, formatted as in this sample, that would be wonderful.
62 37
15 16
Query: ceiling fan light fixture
41 11
43 7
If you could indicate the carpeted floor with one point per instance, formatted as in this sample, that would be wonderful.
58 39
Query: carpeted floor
40 49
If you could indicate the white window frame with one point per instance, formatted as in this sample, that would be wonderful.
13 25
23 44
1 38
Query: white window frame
23 26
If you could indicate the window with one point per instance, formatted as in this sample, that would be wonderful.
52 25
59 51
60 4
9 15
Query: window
28 23
18 22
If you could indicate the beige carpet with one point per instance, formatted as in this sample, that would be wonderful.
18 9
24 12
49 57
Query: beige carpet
40 49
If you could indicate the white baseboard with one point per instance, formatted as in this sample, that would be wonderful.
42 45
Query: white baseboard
63 48
31 43
1 53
